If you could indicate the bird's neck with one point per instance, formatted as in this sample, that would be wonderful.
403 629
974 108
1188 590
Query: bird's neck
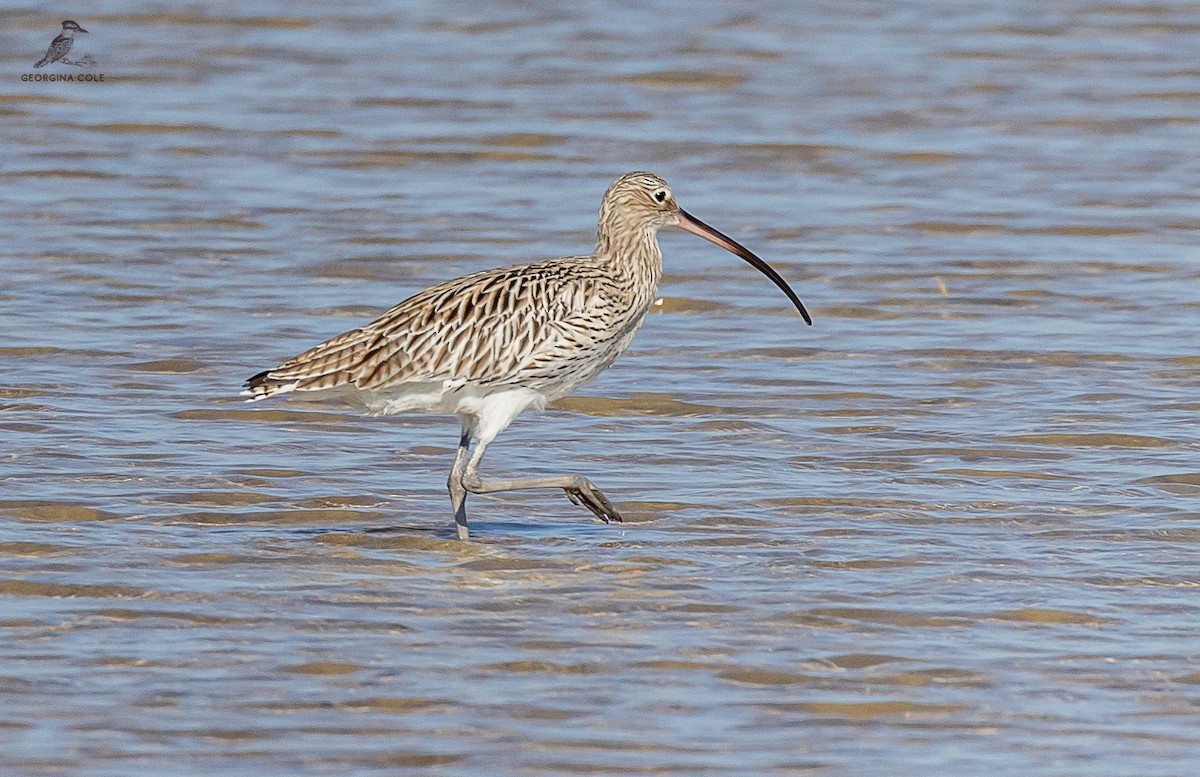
633 257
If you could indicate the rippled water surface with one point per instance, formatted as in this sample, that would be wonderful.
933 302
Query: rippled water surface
952 528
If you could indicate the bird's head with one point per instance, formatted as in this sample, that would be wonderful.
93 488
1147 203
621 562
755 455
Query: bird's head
638 204
71 26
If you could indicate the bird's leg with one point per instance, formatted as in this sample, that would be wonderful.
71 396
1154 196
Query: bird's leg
458 494
580 490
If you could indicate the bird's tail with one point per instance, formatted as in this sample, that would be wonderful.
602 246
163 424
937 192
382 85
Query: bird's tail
263 385
331 364
42 62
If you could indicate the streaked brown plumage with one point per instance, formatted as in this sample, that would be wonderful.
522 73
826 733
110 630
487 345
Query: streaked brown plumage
492 344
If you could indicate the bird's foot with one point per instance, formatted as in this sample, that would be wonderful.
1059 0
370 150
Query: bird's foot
579 490
593 499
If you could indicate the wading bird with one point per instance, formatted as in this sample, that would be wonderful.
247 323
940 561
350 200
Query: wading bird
490 345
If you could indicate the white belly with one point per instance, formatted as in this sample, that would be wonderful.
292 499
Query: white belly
491 408
488 410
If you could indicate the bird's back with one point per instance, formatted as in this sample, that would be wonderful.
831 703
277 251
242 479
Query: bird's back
59 48
547 327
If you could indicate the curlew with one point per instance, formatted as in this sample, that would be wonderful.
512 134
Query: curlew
490 345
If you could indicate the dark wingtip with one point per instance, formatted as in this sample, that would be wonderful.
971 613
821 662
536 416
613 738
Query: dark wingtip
258 380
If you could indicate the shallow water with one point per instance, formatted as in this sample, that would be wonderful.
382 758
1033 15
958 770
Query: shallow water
951 528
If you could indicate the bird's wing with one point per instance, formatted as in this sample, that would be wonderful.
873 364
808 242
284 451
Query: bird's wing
490 328
58 49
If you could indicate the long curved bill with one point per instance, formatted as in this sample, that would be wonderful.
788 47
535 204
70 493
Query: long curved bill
689 223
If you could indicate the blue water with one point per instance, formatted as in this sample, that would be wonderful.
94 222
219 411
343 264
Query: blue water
952 528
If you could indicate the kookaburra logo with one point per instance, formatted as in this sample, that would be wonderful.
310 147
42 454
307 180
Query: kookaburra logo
61 46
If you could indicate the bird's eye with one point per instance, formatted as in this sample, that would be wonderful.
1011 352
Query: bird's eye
661 195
